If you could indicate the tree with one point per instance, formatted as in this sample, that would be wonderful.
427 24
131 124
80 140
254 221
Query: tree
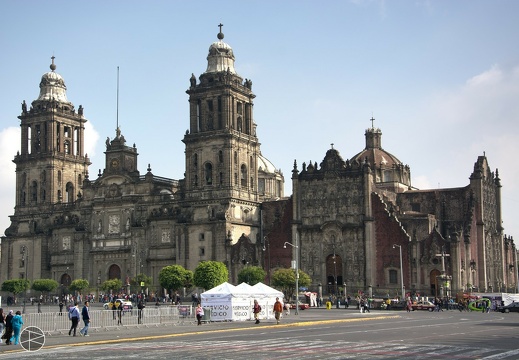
79 285
112 285
45 285
15 286
285 279
209 274
251 275
141 278
173 277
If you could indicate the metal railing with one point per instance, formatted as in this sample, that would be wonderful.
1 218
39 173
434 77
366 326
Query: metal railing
106 320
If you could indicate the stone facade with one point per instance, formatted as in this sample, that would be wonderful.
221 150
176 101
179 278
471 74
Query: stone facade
349 218
123 223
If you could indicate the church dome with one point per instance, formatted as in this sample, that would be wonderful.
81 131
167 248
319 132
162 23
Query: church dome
373 152
52 86
265 165
221 57
389 172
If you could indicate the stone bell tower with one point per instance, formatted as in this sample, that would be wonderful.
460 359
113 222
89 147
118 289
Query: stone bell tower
51 166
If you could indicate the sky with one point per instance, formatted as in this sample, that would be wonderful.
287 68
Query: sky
441 79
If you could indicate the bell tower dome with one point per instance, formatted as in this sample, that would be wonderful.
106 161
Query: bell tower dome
51 166
222 149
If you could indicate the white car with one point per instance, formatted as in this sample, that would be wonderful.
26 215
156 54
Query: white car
127 305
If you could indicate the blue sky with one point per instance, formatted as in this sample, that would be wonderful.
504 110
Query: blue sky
440 77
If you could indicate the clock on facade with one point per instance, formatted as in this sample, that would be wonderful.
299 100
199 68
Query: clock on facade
114 163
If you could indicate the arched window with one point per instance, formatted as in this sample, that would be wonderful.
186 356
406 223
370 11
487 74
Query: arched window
69 189
243 177
34 192
220 157
79 180
209 174
59 177
195 160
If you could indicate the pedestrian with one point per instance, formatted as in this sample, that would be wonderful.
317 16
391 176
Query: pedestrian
17 323
73 315
256 310
111 306
8 328
140 309
278 309
60 307
39 306
409 306
85 314
2 321
287 309
199 313
119 306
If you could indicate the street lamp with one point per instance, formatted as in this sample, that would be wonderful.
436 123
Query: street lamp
401 270
25 259
335 274
265 244
296 246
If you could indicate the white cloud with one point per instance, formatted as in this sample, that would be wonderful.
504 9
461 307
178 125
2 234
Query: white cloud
91 139
477 117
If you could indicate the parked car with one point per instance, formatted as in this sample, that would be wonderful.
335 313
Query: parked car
513 307
302 306
423 305
127 305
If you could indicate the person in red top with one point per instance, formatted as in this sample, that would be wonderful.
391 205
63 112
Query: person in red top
199 313
256 310
278 309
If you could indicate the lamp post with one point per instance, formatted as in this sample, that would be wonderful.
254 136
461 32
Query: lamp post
401 271
335 275
296 247
265 244
25 259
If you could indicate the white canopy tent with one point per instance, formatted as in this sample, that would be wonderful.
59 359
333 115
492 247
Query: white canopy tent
234 303
266 297
227 302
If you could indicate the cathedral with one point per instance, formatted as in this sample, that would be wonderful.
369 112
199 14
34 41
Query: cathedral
353 225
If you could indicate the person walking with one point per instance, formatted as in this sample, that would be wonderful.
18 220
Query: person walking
60 307
85 314
278 309
17 323
409 305
256 309
39 306
140 309
199 313
8 328
119 306
2 321
73 315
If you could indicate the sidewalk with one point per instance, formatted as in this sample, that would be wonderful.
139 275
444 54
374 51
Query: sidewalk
138 332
